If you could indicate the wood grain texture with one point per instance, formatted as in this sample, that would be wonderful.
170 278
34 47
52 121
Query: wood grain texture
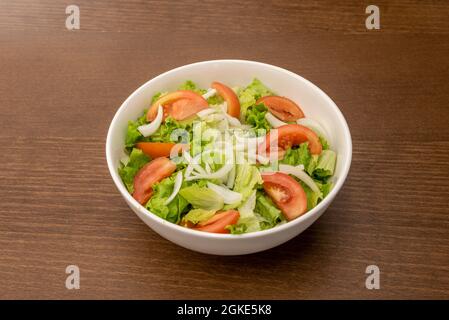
59 90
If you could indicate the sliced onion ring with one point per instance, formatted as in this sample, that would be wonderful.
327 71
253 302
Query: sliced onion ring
176 187
148 129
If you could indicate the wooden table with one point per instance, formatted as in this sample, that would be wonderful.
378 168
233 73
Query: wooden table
59 90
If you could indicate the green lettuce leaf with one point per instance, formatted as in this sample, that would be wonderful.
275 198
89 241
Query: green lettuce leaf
247 178
163 134
161 191
269 213
297 156
248 221
156 96
324 142
312 197
249 95
214 100
238 228
199 215
325 165
132 134
325 188
191 86
202 197
255 116
137 159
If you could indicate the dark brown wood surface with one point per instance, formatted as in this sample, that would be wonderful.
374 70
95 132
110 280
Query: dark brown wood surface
59 90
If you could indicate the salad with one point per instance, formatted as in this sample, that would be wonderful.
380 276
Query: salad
226 159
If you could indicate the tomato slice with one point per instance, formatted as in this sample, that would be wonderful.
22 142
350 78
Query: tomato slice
161 149
148 175
283 108
286 193
218 223
180 105
291 135
230 97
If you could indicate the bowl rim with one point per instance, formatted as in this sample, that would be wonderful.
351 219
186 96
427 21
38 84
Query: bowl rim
189 232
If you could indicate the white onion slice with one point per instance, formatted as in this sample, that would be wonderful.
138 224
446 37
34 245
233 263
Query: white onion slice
216 175
205 112
231 178
300 174
187 156
148 129
314 125
233 121
176 188
189 170
273 121
210 93
198 168
229 196
214 117
257 157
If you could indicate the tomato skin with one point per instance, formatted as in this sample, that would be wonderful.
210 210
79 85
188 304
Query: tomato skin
180 105
148 175
283 108
156 149
286 193
161 149
291 135
218 223
230 97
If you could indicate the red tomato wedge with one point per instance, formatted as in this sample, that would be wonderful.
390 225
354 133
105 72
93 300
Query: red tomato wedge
291 135
230 97
148 175
286 193
161 149
283 108
218 222
180 105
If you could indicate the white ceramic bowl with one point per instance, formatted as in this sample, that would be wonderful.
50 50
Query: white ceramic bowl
315 104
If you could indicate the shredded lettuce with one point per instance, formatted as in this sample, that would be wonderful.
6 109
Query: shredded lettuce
324 142
313 198
137 159
132 134
249 221
199 215
270 214
156 96
161 191
191 86
255 116
325 165
297 156
250 94
247 178
202 197
163 134
214 100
